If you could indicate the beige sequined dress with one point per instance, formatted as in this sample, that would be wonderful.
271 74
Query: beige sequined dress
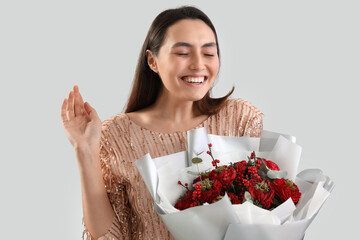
123 142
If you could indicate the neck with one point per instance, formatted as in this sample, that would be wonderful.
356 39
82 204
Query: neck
174 110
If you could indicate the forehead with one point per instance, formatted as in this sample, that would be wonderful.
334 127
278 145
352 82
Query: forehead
193 31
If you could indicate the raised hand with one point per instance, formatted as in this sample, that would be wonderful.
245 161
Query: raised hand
81 122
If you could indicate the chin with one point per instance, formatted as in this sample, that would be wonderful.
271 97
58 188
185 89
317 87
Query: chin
197 98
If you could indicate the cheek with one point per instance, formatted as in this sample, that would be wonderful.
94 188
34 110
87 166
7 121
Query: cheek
169 66
215 67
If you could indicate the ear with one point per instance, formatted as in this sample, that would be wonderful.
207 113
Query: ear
151 60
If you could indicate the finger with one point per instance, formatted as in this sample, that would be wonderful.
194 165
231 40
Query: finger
64 117
90 111
85 113
76 90
78 102
87 108
70 106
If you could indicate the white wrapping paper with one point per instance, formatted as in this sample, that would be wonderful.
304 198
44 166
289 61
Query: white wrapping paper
222 220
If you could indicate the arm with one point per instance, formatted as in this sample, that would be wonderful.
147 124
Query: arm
82 126
97 211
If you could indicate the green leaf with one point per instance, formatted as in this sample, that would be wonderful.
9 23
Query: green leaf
196 160
263 170
263 174
248 197
276 174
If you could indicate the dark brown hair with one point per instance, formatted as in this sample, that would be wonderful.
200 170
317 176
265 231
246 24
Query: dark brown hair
147 84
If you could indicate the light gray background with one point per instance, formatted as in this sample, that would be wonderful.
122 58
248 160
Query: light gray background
297 61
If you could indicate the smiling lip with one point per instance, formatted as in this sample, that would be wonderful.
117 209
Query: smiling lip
194 80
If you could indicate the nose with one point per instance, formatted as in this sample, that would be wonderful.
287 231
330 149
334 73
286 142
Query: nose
197 62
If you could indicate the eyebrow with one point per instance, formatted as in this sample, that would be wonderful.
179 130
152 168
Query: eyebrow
185 44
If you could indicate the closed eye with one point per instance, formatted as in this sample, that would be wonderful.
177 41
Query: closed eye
209 55
182 54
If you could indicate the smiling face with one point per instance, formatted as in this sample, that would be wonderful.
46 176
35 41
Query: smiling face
187 62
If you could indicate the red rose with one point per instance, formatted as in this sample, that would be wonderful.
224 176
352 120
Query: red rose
217 185
209 196
271 165
262 192
210 193
285 189
224 174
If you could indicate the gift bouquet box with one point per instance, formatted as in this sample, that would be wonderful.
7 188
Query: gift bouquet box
228 188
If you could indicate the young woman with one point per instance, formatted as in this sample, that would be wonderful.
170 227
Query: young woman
177 67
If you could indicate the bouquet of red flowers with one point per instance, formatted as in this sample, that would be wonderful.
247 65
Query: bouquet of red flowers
256 180
263 197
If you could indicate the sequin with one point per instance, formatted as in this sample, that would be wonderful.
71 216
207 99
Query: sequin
123 142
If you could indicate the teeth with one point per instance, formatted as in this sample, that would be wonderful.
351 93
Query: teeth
194 79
